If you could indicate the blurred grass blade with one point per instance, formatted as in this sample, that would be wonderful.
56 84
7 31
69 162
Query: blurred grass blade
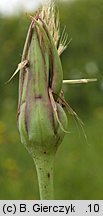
79 81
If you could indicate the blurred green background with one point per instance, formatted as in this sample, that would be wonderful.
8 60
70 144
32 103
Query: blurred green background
78 167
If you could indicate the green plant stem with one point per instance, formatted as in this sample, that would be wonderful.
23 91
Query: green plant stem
44 167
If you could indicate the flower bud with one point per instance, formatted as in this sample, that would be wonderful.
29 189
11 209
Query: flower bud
40 123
